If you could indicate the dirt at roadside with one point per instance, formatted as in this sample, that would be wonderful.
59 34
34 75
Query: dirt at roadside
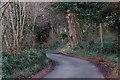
43 72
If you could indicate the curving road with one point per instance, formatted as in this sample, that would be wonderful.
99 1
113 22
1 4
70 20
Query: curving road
70 67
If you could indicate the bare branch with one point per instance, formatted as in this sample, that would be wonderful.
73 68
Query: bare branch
3 5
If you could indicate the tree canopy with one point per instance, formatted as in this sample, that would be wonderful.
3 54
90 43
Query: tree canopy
95 12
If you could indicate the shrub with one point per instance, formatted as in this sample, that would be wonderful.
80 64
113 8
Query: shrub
14 64
83 48
63 35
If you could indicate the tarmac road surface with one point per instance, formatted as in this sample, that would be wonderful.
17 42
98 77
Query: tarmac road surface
70 67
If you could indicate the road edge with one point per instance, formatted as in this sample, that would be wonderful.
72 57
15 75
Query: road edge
98 64
40 74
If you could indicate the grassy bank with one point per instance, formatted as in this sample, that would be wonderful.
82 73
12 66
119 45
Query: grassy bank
83 48
23 64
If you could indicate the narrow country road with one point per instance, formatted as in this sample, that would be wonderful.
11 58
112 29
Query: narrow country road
69 67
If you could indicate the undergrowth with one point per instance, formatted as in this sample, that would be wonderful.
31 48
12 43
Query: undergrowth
23 64
57 46
83 48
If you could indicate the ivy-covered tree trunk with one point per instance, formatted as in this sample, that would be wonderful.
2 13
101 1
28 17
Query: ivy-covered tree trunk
73 29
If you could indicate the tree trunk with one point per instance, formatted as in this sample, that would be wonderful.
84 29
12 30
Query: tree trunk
17 26
117 22
1 34
23 22
73 29
13 27
101 35
97 29
6 41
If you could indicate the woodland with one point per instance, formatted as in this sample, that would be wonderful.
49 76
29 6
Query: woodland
32 29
